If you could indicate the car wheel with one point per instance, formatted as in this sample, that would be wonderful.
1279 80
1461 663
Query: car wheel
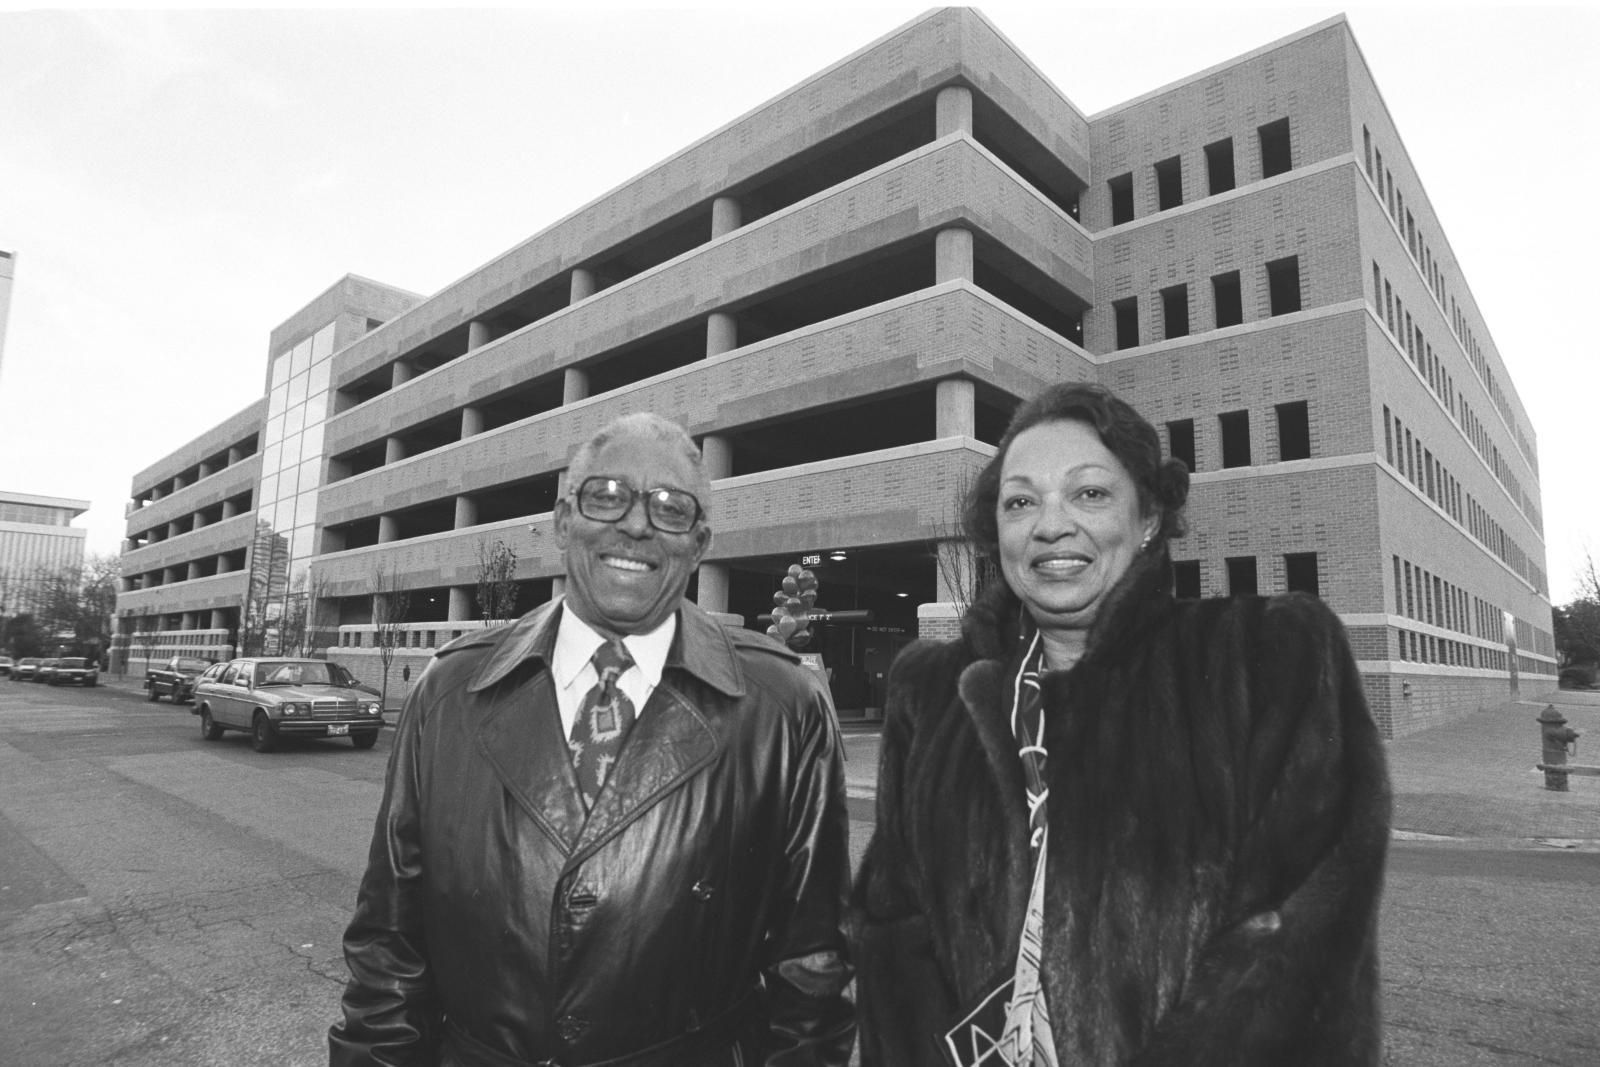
208 726
263 738
150 693
364 740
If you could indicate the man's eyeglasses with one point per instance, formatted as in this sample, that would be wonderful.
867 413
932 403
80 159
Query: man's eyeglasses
608 500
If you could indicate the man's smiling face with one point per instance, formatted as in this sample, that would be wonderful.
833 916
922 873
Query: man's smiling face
626 577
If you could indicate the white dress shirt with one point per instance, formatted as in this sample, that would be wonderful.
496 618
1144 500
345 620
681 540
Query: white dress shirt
574 673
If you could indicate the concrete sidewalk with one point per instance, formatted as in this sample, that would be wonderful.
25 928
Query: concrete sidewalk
1473 778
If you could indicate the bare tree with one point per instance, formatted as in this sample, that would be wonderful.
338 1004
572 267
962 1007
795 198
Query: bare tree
97 603
390 606
497 587
314 635
961 567
142 641
1577 624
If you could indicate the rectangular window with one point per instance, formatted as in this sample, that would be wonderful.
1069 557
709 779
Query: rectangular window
1399 595
1235 438
1366 144
1275 154
1300 572
1377 286
1241 576
1180 441
1219 166
1411 601
1294 431
1169 183
1226 298
1283 284
1127 313
1388 308
1175 311
1121 198
1388 437
1186 579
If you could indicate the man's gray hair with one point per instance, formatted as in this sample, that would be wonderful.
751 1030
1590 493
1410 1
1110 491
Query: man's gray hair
649 425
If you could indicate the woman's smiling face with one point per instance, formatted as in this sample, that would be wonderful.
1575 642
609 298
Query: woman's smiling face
1069 520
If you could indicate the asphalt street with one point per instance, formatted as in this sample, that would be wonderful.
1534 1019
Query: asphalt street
170 901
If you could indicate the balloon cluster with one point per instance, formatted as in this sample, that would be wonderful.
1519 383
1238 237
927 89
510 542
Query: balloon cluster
791 608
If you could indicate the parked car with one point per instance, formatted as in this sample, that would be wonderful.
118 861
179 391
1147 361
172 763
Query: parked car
174 678
75 670
47 667
6 664
273 698
26 668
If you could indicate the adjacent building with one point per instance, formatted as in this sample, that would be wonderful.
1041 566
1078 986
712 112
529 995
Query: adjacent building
37 543
8 268
843 294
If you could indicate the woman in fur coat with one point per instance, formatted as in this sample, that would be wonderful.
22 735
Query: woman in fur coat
1114 828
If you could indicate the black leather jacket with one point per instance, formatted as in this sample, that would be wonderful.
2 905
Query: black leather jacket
692 918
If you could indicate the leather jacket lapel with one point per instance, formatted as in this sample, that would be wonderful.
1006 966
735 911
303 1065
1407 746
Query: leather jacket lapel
520 738
669 743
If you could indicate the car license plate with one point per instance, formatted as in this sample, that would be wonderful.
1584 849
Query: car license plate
338 729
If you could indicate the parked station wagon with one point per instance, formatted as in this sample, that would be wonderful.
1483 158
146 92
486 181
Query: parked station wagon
272 698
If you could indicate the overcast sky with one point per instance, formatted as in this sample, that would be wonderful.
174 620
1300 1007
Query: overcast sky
175 184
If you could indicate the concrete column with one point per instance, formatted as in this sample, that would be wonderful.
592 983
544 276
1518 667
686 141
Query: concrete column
718 456
388 528
722 333
461 602
204 471
194 570
471 421
176 527
219 619
235 454
157 493
199 520
466 512
582 285
229 509
558 586
955 408
726 216
713 590
952 255
400 371
953 111
477 334
394 450
574 385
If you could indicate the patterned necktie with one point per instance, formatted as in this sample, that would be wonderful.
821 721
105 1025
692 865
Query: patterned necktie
602 722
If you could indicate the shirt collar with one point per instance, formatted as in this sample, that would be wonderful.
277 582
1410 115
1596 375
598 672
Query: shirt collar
576 642
702 648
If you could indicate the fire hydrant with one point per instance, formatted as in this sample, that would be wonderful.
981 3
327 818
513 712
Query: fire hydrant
1559 739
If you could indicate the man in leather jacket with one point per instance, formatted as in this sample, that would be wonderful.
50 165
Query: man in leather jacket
684 911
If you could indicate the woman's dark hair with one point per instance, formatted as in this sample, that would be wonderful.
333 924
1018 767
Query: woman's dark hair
1163 483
